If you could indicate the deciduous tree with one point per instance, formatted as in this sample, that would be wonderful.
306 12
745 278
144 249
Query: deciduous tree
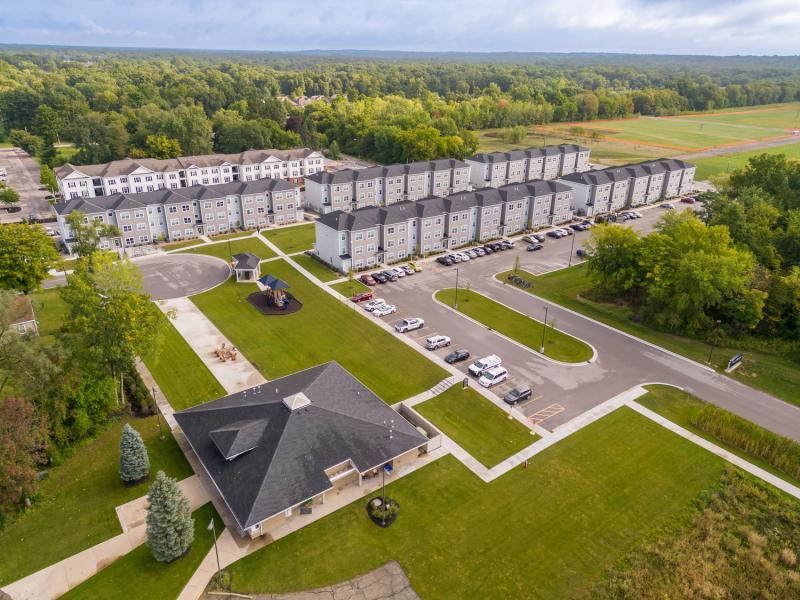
27 254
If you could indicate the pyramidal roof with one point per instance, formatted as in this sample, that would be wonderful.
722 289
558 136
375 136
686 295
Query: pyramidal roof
267 448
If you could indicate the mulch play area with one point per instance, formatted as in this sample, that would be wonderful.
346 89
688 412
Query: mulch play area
260 301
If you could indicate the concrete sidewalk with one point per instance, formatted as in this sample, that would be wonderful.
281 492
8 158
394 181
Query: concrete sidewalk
204 337
57 579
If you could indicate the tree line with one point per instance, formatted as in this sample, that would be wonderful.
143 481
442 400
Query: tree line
164 104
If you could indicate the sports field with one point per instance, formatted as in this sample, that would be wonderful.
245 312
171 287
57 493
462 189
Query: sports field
626 140
714 165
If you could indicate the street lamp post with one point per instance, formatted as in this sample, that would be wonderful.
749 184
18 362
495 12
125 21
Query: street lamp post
544 329
713 338
158 414
571 248
455 304
212 528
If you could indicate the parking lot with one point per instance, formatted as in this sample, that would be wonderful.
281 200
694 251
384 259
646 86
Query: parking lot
562 392
23 176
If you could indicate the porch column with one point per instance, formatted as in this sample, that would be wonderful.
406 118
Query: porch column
359 480
323 497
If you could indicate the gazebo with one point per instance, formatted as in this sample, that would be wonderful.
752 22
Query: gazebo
245 265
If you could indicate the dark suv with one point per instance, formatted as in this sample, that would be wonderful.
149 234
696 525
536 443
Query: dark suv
518 394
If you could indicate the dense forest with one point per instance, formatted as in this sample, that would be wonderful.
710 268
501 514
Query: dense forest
384 106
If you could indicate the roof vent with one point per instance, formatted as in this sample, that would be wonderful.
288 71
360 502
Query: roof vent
296 401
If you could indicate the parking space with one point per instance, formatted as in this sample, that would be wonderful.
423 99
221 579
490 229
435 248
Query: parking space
23 176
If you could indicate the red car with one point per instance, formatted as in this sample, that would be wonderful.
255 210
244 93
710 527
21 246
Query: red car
361 297
688 200
367 279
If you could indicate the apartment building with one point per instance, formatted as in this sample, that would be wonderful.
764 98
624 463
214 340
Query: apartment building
496 169
140 175
351 189
170 215
365 237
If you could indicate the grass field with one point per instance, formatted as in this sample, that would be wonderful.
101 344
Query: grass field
49 310
65 154
150 579
225 250
179 372
679 407
708 167
292 239
521 328
322 330
183 244
316 268
548 531
775 374
348 288
476 425
231 236
77 503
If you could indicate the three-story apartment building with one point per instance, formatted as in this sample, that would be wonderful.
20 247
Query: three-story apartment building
140 175
185 213
365 237
351 189
496 169
606 190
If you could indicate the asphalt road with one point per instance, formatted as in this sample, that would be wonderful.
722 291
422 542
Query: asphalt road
562 392
23 176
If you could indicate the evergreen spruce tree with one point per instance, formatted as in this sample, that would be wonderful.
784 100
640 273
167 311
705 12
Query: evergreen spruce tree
134 465
170 527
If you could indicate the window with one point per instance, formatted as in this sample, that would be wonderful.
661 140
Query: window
144 239
390 230
187 220
359 235
173 209
185 207
129 241
127 228
125 216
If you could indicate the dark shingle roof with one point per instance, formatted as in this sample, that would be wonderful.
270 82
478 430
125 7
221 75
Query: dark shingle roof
286 452
246 260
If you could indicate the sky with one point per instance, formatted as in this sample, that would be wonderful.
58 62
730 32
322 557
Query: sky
720 27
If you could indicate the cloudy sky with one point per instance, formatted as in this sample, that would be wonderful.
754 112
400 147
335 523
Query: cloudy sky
640 26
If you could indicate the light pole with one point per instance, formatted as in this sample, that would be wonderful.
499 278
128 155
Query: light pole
455 304
212 528
158 414
571 248
544 329
713 338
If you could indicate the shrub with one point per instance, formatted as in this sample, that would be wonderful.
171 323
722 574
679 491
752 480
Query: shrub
780 452
170 527
134 465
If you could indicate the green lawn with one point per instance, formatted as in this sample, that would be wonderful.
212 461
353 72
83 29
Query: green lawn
225 250
523 329
183 244
65 154
77 503
292 239
679 407
548 531
231 236
476 425
323 330
775 374
49 310
708 167
316 268
179 372
348 288
150 579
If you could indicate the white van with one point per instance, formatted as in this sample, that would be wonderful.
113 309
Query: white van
493 376
477 368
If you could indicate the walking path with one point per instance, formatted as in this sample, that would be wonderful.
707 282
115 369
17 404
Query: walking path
748 147
204 338
57 579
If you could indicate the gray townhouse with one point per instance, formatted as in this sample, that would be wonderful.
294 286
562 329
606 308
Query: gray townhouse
602 191
366 237
496 169
351 189
141 175
170 215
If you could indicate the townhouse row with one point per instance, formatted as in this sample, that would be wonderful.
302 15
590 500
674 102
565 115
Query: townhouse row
496 169
351 189
370 236
606 190
141 175
171 215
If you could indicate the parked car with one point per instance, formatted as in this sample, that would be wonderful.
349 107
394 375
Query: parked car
379 277
437 341
529 239
586 224
367 279
445 260
408 270
456 356
384 309
464 256
488 249
487 362
417 267
374 303
399 271
539 237
688 200
576 227
493 376
496 247
411 324
581 253
480 251
667 205
636 214
507 244
361 297
534 247
471 253
455 257
566 231
518 394
390 275
555 234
